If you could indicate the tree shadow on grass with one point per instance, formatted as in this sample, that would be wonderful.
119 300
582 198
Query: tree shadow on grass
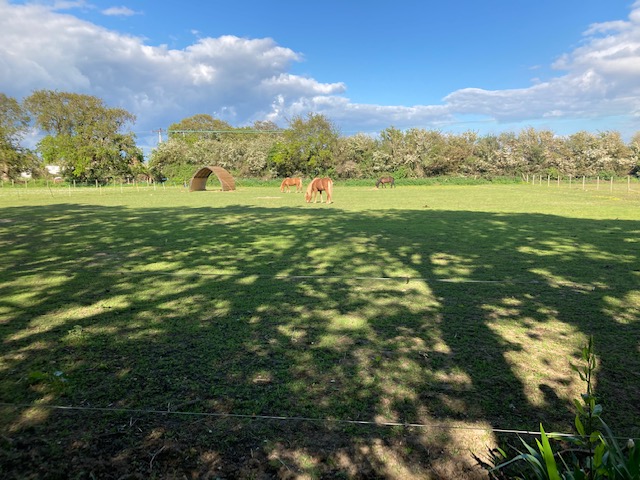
454 320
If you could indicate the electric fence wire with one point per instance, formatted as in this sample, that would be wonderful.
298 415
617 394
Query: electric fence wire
284 418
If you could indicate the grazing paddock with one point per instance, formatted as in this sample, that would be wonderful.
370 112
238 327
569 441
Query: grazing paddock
160 333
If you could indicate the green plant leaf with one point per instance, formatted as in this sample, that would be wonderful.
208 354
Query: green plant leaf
579 426
547 454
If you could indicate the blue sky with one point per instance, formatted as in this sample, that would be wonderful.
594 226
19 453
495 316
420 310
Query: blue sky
492 66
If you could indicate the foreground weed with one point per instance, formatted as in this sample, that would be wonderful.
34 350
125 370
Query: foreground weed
593 454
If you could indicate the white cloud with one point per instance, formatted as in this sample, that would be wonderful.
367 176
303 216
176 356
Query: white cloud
600 79
119 12
244 80
236 75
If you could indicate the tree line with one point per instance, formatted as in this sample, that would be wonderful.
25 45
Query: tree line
90 142
87 139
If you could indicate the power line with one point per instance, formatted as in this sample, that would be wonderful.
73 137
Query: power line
159 132
251 131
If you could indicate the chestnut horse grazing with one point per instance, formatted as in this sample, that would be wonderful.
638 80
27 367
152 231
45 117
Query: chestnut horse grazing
384 180
290 182
316 187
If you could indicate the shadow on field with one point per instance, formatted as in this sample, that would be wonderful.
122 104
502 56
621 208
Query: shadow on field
455 320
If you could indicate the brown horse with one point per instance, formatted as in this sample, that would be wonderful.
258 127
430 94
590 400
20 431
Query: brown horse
316 187
290 182
384 180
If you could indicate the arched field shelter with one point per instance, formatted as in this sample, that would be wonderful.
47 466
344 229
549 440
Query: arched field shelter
199 179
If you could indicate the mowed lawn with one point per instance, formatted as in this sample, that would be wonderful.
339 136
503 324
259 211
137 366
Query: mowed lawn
248 334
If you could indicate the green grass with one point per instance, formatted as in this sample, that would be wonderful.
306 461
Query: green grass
456 306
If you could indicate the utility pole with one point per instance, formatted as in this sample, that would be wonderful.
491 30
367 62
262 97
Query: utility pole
159 132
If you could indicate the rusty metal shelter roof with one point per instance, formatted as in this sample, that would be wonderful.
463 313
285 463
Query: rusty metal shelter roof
199 179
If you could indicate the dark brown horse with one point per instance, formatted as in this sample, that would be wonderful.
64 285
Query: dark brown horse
291 182
384 180
316 187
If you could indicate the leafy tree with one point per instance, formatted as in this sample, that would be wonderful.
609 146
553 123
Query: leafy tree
14 124
459 152
84 136
307 146
265 125
486 156
430 151
634 155
533 149
354 156
198 127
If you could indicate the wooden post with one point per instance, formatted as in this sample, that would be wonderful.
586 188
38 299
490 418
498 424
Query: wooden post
611 189
628 183
548 180
583 180
598 182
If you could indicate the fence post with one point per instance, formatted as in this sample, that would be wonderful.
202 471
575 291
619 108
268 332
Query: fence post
611 189
548 180
598 183
628 183
583 180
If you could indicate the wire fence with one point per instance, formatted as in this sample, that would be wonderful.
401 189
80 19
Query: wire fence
620 184
612 183
289 419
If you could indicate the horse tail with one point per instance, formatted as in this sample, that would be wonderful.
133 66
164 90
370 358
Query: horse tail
329 191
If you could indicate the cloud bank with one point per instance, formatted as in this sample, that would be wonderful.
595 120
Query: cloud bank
242 80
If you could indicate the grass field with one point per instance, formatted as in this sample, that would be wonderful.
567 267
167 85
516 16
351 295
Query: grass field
179 325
